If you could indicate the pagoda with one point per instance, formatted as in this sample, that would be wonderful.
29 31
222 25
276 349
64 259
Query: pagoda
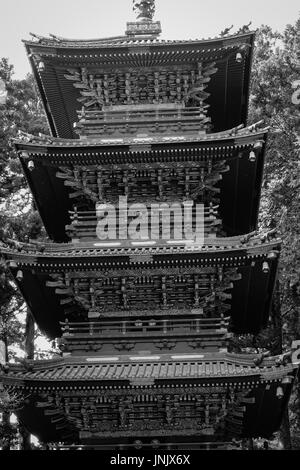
144 324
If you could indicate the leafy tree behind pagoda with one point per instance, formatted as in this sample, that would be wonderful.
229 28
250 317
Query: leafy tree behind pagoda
275 79
18 219
276 70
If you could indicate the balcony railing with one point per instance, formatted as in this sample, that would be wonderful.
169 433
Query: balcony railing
140 114
135 121
199 327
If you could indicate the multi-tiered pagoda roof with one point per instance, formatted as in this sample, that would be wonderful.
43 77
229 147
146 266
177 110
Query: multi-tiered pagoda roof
144 325
90 280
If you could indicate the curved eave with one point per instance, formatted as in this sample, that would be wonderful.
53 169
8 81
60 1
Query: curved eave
70 149
213 367
229 88
231 250
251 296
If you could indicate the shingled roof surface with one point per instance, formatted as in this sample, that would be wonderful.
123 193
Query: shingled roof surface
157 368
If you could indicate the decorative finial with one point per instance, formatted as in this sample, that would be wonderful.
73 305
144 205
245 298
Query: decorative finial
144 24
144 9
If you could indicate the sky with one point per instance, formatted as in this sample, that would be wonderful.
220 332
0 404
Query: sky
181 19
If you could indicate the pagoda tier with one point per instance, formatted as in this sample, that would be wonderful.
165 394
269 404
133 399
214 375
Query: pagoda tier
177 282
223 169
109 75
152 400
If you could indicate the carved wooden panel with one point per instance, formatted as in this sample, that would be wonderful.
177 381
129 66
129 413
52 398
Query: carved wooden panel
144 290
155 85
148 183
164 411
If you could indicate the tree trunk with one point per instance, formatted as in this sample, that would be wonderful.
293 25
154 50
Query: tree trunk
6 414
29 354
25 438
250 444
277 320
247 444
295 328
6 426
29 336
285 431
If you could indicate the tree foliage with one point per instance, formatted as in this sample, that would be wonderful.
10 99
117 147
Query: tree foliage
18 218
276 70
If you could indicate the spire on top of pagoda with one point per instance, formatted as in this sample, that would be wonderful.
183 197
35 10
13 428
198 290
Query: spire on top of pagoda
144 9
144 24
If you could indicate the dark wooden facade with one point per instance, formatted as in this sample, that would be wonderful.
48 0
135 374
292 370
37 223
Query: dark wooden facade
144 326
83 282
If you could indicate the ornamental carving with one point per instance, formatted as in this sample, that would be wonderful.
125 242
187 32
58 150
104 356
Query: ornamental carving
144 9
196 344
120 411
193 288
185 85
198 181
165 344
124 346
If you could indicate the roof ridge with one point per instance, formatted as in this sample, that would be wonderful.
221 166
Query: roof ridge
238 131
247 242
238 358
58 40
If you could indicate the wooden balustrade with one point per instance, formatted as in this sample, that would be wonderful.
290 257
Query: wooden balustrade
159 120
199 326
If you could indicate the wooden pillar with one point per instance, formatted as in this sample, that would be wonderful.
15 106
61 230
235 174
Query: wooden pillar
250 444
29 352
29 336
277 320
285 431
25 438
